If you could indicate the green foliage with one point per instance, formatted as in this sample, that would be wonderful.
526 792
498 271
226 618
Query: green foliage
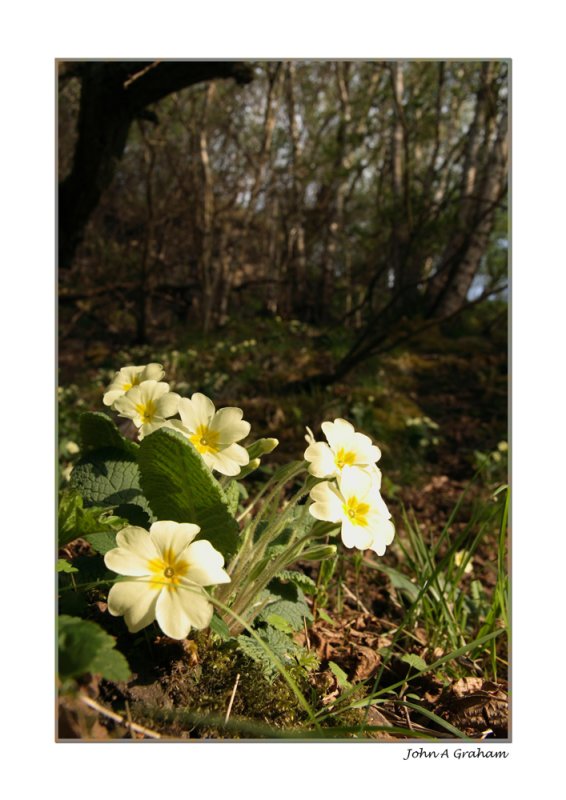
110 477
232 493
98 431
75 521
414 661
179 486
281 645
102 542
340 675
219 627
65 566
287 602
299 579
85 647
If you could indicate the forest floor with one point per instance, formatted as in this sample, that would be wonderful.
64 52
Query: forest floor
390 664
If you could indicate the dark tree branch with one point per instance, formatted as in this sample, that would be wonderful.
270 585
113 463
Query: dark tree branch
113 94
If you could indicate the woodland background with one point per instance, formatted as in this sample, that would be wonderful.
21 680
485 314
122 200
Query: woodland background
311 239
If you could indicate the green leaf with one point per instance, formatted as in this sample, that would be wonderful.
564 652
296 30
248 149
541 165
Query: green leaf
232 493
288 603
340 675
85 647
323 615
299 579
219 627
280 623
282 646
180 487
98 431
102 542
110 478
74 521
414 661
65 566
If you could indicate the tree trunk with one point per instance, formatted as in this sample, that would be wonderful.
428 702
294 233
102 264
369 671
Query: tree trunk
113 94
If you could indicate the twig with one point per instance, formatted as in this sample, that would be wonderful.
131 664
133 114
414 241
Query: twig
141 73
352 596
133 726
227 717
306 634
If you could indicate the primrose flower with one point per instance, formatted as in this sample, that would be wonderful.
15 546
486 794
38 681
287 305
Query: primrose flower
214 433
128 377
345 448
165 575
148 405
355 501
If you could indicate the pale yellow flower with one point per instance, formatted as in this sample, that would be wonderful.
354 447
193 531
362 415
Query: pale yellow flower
346 448
128 377
148 406
166 572
214 433
354 501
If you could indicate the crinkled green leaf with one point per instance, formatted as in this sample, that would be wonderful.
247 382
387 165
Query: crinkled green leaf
280 623
299 579
289 603
110 477
232 493
282 646
98 431
85 647
180 487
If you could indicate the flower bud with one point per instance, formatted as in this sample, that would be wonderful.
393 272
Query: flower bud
262 447
319 553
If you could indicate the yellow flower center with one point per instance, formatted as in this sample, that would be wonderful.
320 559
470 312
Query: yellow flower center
344 458
146 411
205 440
134 381
357 512
167 572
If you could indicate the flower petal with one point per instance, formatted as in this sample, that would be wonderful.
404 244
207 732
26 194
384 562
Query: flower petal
170 613
196 605
323 464
153 372
197 411
172 537
338 432
230 426
327 504
205 564
150 427
153 390
168 404
111 396
383 535
135 549
228 461
356 535
354 482
136 601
